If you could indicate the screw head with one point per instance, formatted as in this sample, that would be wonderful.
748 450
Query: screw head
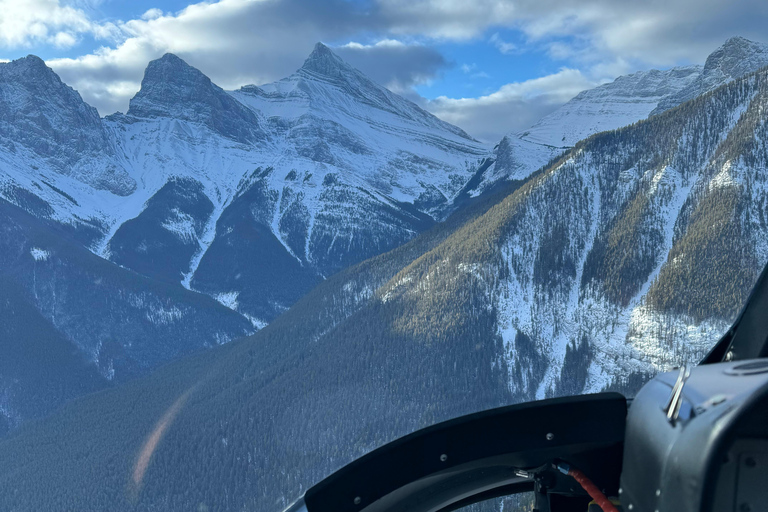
357 500
550 436
658 492
443 457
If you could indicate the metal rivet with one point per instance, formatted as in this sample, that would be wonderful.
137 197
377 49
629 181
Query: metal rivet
550 436
630 507
443 458
357 500
658 492
621 491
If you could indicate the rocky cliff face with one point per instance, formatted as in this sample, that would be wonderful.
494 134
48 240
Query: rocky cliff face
173 89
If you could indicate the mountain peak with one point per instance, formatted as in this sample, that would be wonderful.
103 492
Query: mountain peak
172 88
736 57
171 69
737 41
323 61
28 68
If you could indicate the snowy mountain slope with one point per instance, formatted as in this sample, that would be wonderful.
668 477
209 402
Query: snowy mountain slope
618 279
637 96
610 106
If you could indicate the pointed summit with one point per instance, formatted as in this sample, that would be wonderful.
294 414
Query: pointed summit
30 70
735 58
324 62
172 88
168 81
330 87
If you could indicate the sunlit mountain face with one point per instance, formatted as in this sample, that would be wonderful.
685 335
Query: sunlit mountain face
215 299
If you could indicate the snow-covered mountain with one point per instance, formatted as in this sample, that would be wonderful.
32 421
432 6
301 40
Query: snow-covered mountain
251 197
327 166
44 120
735 58
631 98
619 103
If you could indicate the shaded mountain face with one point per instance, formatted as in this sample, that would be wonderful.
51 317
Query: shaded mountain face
173 89
658 232
44 120
40 368
87 320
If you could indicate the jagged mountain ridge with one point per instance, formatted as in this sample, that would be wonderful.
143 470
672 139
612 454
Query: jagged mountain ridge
313 150
513 301
43 118
735 58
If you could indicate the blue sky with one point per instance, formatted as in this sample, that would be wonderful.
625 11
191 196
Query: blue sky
490 66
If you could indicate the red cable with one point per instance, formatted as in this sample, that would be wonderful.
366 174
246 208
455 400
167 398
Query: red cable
592 490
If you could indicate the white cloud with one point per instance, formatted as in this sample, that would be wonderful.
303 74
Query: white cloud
152 14
23 24
394 64
446 19
503 46
652 33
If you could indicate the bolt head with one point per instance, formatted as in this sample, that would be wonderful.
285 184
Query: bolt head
550 436
357 500
443 457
